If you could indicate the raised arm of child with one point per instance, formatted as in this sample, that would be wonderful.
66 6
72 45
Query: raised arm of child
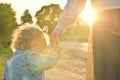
36 62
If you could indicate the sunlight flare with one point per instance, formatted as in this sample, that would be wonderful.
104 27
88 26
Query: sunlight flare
88 14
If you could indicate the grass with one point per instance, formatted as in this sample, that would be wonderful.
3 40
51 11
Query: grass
5 54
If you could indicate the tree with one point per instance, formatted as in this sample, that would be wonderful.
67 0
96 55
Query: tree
48 16
79 32
7 23
26 17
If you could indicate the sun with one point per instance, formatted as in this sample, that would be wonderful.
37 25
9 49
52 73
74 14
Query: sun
88 14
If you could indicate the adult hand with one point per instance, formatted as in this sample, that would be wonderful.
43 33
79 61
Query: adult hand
54 36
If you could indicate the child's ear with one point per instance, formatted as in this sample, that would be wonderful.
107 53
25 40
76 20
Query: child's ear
45 29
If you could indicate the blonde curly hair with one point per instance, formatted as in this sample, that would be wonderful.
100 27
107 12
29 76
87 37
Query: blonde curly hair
24 35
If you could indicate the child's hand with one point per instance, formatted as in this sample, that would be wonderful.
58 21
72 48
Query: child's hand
54 37
54 41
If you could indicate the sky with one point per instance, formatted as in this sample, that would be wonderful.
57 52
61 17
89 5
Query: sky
34 5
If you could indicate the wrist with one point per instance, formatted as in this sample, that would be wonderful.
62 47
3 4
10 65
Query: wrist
60 28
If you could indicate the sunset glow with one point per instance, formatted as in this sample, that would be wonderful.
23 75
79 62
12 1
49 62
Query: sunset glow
88 14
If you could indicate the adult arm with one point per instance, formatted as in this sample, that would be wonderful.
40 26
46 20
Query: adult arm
70 13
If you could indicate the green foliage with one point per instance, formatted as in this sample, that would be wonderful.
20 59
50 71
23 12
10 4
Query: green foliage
77 32
5 54
48 16
26 17
7 23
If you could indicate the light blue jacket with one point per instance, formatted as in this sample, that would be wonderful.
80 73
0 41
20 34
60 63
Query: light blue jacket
29 65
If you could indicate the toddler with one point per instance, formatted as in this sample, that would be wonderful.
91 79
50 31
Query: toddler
29 45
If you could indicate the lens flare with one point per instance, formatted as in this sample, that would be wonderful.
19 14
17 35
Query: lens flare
88 14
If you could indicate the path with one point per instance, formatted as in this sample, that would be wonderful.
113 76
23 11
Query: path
72 65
